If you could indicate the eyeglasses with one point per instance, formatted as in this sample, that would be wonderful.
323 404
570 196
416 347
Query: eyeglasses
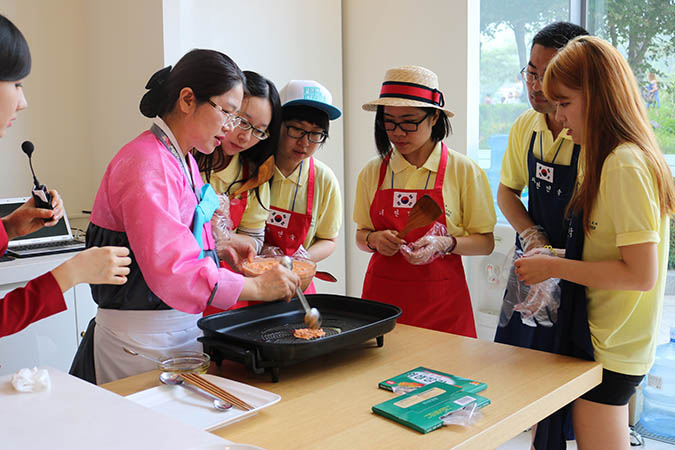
407 126
257 133
317 137
530 77
230 118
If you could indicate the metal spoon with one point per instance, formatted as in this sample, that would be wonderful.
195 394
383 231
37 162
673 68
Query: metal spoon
135 353
312 315
176 380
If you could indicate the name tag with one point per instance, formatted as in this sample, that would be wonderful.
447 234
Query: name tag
544 172
405 199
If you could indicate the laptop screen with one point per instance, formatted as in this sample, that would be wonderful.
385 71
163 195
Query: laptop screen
61 231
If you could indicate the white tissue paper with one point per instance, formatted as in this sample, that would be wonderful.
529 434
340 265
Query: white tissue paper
31 380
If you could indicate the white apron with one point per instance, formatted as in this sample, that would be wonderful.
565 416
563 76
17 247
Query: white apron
157 334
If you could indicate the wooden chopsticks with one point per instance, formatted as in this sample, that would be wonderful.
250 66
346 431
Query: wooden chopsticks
215 390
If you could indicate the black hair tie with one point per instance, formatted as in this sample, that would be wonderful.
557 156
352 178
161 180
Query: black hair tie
158 78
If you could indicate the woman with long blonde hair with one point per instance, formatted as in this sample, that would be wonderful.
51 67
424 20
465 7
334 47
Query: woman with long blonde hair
624 197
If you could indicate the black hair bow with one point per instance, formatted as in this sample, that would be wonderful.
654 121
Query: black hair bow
158 78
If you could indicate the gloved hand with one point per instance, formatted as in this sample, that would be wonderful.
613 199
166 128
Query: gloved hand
533 237
541 303
434 244
427 249
301 253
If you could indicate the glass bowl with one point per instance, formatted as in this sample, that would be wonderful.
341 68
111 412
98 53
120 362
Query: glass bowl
184 362
303 267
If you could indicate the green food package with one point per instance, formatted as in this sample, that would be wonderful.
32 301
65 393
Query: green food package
421 376
423 409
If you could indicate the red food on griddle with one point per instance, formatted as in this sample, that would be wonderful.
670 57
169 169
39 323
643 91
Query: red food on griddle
308 333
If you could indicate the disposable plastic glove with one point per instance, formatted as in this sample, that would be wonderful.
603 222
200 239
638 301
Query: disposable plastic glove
542 301
429 247
533 237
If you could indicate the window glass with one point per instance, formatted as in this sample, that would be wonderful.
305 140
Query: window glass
507 28
644 32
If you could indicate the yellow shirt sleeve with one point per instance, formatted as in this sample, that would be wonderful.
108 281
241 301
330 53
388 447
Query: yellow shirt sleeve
366 186
327 209
469 208
514 173
626 180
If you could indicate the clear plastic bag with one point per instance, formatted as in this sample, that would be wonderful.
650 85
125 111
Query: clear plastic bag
270 250
533 237
539 306
465 416
301 253
429 247
221 224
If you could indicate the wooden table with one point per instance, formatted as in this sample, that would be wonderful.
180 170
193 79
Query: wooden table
326 402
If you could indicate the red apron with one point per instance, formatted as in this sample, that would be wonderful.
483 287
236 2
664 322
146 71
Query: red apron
237 208
434 295
287 229
238 205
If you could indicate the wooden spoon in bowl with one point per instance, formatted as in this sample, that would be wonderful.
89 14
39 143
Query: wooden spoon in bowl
265 172
423 213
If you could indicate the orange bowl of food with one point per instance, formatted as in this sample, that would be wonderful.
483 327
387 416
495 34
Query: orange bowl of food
303 267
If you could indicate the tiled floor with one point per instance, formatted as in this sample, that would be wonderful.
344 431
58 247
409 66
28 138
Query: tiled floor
522 441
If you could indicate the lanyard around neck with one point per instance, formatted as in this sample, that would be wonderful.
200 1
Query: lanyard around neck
297 184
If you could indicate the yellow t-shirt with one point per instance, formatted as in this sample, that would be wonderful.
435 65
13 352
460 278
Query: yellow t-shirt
466 192
624 324
327 204
514 173
255 213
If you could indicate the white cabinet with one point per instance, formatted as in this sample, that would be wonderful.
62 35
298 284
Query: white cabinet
51 341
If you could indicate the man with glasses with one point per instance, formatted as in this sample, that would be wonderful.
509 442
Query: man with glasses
542 157
306 203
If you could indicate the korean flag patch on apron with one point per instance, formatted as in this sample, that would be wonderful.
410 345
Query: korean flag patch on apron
545 172
405 199
278 218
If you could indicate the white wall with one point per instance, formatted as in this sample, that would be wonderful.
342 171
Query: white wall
91 59
291 39
381 34
56 100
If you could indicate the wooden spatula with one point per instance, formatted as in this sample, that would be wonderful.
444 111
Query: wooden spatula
423 213
265 172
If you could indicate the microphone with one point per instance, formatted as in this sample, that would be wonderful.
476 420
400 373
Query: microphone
41 195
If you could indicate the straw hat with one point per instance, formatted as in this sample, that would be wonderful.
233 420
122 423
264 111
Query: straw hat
410 86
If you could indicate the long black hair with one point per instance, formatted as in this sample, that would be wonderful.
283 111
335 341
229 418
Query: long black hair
208 73
439 131
15 60
256 86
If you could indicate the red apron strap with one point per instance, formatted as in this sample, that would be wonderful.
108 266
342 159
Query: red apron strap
440 175
310 186
383 170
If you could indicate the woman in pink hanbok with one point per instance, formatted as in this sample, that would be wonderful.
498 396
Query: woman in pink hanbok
153 201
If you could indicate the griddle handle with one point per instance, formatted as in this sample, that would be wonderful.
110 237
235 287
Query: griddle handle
233 352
